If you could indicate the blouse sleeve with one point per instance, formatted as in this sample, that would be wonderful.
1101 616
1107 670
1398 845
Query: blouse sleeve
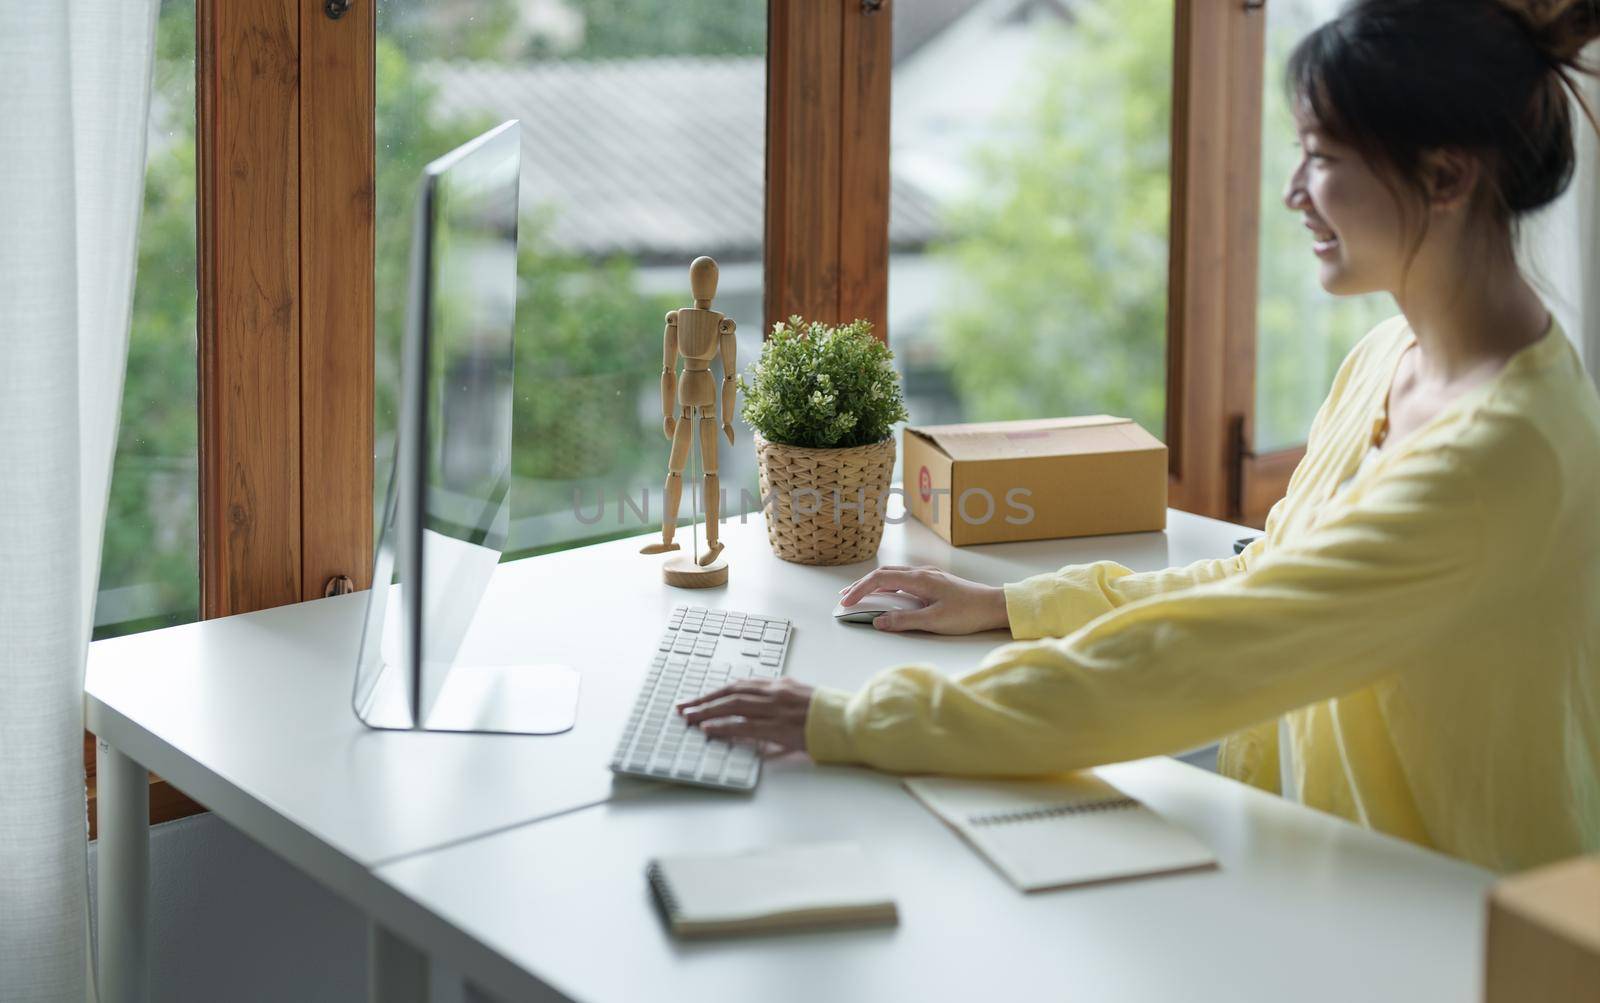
1057 603
1354 597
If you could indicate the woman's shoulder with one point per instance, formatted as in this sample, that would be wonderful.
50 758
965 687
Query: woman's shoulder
1533 438
1542 403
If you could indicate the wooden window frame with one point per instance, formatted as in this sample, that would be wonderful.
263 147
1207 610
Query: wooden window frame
1211 339
826 252
1212 335
285 221
284 164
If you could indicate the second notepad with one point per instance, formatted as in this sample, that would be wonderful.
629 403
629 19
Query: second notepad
1060 832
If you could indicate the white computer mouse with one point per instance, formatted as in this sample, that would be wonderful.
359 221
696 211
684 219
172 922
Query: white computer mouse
874 605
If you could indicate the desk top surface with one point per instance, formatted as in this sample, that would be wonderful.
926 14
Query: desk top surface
1302 907
250 714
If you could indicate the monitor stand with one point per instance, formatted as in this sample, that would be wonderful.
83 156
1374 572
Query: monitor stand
509 699
503 699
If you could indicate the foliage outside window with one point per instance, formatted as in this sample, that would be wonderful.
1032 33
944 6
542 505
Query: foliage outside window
149 571
1056 252
588 338
1072 261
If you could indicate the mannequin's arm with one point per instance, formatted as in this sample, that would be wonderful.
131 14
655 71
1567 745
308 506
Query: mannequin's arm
730 371
669 385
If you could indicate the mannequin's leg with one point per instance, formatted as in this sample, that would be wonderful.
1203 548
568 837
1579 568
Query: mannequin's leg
708 459
674 489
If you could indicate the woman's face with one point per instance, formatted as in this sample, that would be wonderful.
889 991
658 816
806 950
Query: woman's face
1352 218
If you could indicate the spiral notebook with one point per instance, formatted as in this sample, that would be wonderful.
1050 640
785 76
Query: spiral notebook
811 884
1060 832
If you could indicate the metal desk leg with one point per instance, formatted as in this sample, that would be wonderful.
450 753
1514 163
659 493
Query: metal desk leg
396 971
123 817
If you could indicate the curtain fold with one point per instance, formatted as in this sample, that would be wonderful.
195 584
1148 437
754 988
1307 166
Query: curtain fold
74 103
1561 246
1586 272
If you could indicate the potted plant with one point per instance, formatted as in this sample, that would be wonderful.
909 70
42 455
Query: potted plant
822 402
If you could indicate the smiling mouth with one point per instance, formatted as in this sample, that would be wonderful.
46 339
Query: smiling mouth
1324 241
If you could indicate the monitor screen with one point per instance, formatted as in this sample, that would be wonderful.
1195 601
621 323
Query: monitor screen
448 511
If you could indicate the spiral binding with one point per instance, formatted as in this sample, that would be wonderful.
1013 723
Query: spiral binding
658 884
1051 811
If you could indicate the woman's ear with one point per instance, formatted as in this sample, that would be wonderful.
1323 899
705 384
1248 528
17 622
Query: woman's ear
1451 176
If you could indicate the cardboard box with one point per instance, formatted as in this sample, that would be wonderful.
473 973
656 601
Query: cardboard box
1035 480
1544 935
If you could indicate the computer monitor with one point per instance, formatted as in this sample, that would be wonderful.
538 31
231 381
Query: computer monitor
447 513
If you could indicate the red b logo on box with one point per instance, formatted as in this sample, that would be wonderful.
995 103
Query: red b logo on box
924 484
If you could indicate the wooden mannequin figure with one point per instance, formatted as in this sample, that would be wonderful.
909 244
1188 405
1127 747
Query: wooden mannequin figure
697 334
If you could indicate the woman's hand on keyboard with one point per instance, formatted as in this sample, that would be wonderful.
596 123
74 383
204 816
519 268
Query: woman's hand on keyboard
764 710
954 605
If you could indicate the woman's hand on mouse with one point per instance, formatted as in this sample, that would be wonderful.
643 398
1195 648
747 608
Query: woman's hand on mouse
954 605
763 710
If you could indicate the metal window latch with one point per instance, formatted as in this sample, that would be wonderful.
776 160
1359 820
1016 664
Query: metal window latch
335 9
871 6
338 585
1251 6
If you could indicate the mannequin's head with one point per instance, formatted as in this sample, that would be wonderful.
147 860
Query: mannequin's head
703 279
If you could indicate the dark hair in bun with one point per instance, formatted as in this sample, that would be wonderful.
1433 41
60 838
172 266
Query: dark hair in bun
1560 28
1397 78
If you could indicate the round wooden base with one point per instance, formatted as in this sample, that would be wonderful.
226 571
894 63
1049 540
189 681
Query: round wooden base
681 570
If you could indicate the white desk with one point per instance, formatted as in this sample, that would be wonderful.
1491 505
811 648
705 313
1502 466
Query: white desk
250 715
1303 907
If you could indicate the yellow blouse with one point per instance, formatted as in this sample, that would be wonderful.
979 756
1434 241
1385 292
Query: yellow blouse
1430 634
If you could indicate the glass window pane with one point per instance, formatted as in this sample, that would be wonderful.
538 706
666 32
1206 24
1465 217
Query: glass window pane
644 137
1028 276
150 570
1302 332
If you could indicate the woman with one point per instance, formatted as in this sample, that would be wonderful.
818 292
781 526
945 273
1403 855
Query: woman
1414 643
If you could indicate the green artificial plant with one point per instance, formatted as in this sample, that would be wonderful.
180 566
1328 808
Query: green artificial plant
823 387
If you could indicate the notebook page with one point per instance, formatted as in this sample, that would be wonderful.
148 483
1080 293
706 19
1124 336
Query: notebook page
1080 849
958 796
1060 831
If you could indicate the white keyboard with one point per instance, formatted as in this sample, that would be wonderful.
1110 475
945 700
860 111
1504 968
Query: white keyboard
701 650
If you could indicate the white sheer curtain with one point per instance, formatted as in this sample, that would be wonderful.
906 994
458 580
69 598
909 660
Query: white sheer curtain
74 100
1561 247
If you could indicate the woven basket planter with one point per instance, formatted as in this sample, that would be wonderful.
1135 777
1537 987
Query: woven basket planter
803 490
